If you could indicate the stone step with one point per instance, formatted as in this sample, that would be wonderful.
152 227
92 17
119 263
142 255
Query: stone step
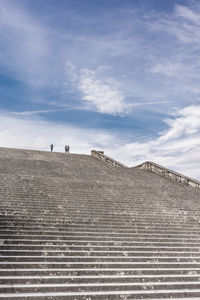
135 239
99 272
99 259
91 234
140 217
86 220
94 287
115 230
69 228
100 253
114 222
96 248
91 243
89 210
98 279
52 231
98 208
99 227
102 295
98 265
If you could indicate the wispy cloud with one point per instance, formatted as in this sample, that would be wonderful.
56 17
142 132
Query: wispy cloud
183 23
35 112
177 65
100 92
24 44
177 147
188 14
170 69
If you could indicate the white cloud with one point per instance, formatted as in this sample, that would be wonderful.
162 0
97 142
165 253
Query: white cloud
186 13
177 65
177 148
71 73
187 122
169 68
183 24
24 44
101 93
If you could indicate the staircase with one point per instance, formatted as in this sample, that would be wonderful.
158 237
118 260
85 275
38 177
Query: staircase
73 227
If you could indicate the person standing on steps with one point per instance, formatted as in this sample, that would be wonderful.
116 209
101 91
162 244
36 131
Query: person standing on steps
51 147
67 148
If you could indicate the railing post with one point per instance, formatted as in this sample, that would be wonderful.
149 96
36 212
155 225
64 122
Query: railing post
108 160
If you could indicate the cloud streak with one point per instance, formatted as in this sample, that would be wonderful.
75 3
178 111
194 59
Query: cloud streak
101 93
177 147
24 44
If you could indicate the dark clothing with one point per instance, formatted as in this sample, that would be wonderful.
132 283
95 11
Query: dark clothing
67 148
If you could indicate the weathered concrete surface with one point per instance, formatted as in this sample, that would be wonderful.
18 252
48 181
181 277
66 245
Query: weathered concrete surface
72 227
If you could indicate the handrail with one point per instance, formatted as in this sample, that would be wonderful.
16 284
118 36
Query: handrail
151 166
108 160
172 175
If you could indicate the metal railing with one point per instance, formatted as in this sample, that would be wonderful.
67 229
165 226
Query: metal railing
167 173
108 160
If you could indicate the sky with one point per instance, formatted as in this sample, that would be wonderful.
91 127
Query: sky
118 76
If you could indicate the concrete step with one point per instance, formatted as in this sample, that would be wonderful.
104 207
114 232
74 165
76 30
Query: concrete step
99 265
34 204
100 287
97 210
71 228
134 228
122 259
114 216
118 295
100 253
70 232
98 272
90 220
98 279
20 240
114 233
90 247
110 234
136 238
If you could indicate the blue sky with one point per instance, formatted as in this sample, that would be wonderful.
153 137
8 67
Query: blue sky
119 76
